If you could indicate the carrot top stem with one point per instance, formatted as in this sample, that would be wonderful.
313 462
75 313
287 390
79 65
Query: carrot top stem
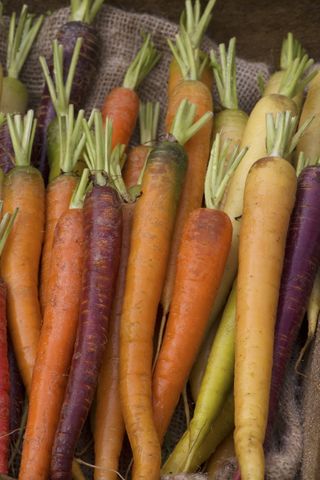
291 49
2 118
183 126
190 60
6 224
149 120
295 78
22 130
58 89
20 40
218 175
84 10
103 161
142 64
225 74
80 192
304 162
193 22
281 137
72 139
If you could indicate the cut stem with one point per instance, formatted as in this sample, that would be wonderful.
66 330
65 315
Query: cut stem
183 126
79 194
225 74
85 10
194 23
291 49
149 120
22 130
21 36
295 78
142 64
72 139
59 90
218 173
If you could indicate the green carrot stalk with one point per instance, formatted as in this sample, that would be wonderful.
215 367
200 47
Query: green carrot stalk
21 36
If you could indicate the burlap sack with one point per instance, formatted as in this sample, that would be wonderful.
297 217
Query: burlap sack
120 37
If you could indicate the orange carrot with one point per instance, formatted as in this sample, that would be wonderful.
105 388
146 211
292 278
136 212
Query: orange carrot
151 236
55 346
23 189
198 150
109 425
121 105
148 118
203 251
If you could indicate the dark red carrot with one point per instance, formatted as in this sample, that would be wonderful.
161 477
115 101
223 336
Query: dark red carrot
79 25
302 259
102 245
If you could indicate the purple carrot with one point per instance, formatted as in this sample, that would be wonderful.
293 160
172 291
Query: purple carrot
302 259
6 149
78 26
102 219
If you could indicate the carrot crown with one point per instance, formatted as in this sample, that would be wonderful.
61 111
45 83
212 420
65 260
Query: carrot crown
80 192
183 126
295 78
149 120
190 60
6 224
22 130
222 164
85 10
225 74
59 90
142 64
304 162
291 49
104 162
193 22
72 139
20 40
281 138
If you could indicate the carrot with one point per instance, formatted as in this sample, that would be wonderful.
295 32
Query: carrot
5 227
224 452
102 241
197 149
195 26
23 189
290 51
222 426
109 427
254 136
60 93
21 36
152 229
230 121
268 202
121 104
62 180
149 119
204 248
56 342
79 25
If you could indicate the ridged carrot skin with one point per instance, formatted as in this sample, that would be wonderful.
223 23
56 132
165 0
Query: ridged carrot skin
102 244
4 383
269 198
302 259
86 67
135 161
6 149
58 196
203 252
175 77
109 425
152 230
122 107
24 189
197 150
56 346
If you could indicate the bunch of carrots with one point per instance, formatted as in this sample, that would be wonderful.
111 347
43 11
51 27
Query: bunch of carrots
135 276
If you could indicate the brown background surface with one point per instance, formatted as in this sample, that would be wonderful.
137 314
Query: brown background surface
259 25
